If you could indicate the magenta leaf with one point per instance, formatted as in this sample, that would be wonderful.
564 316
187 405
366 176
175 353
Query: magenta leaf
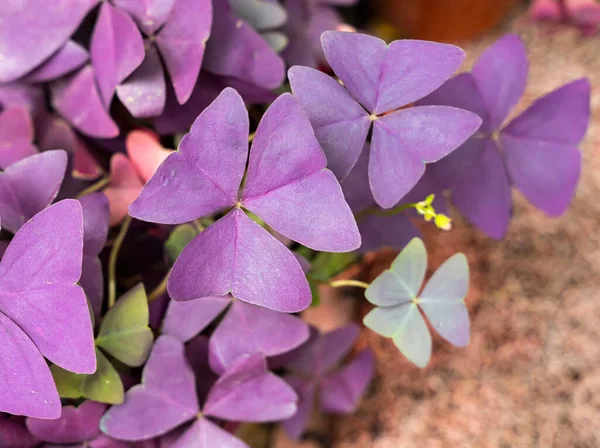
69 57
144 93
150 15
247 391
318 378
543 163
501 76
402 142
238 51
205 434
88 116
537 151
95 231
248 329
28 37
182 41
16 136
30 185
38 273
184 320
295 194
239 252
383 78
165 398
340 123
341 390
206 172
116 49
75 425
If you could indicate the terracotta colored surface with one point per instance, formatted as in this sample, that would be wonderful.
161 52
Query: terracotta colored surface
531 374
444 20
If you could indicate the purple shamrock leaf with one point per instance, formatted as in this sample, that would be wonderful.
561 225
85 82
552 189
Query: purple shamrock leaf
376 229
316 377
69 57
89 116
76 424
27 37
181 42
29 186
396 294
150 15
235 49
306 22
536 152
179 117
117 49
378 81
16 134
14 433
38 273
144 93
287 185
247 391
246 329
95 231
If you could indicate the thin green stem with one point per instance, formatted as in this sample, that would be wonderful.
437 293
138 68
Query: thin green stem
112 261
381 212
160 289
97 186
342 283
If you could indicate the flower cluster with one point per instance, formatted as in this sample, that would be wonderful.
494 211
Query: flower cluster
153 294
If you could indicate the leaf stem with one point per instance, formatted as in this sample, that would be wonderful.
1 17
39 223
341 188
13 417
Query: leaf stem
378 211
99 185
112 261
160 289
342 283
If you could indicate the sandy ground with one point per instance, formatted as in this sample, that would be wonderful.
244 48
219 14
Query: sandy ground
531 374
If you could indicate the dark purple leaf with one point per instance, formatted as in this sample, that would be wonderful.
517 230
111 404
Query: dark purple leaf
247 391
236 50
76 424
30 185
248 329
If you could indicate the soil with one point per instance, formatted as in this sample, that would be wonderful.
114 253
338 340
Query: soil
530 376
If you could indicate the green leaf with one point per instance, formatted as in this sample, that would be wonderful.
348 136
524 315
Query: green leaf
180 237
124 332
327 265
104 385
68 384
314 289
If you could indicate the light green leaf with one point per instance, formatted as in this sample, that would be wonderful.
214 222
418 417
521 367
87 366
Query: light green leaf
124 332
180 237
104 385
327 265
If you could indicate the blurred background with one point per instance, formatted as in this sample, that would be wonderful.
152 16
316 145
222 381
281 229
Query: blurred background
531 374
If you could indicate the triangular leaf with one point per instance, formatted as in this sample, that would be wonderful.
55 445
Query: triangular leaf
124 332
